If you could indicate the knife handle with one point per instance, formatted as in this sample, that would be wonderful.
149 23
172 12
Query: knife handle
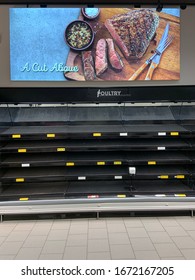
153 66
138 72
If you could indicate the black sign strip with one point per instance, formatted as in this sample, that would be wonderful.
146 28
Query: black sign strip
97 95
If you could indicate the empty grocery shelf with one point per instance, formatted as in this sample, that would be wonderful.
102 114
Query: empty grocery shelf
23 159
168 187
36 191
97 189
64 173
95 145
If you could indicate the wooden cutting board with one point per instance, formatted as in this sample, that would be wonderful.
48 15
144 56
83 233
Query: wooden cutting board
168 69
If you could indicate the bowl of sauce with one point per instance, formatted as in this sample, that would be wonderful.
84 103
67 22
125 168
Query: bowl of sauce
79 35
91 13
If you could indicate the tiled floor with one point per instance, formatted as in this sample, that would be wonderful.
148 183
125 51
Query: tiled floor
106 238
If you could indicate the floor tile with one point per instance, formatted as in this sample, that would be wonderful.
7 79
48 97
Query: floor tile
46 223
61 224
146 255
78 229
34 241
168 222
146 220
184 242
75 253
142 244
189 254
97 233
173 258
28 254
10 248
167 250
100 224
58 234
8 224
77 240
2 239
99 256
106 238
120 252
184 218
154 226
137 232
81 222
53 247
188 225
24 226
5 231
51 257
7 257
98 245
176 231
133 222
118 238
116 227
159 237
114 220
40 230
191 233
18 235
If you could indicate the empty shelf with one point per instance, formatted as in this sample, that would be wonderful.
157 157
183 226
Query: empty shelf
95 145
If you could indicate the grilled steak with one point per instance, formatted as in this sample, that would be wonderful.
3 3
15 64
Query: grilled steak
88 65
113 56
133 31
101 63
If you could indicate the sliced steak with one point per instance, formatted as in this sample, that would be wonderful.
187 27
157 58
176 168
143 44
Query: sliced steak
101 63
88 65
133 31
113 57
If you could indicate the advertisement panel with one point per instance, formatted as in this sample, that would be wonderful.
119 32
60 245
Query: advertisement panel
94 44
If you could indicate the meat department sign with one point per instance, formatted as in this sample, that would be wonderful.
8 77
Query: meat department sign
94 44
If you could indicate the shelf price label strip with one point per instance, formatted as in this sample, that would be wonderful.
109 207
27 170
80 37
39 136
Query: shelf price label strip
163 176
101 163
22 150
82 178
151 162
162 133
16 136
93 196
51 135
117 162
25 165
118 177
123 134
174 133
179 176
161 148
23 198
61 149
70 164
19 180
97 134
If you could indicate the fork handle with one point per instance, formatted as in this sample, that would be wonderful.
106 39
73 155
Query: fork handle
138 72
153 66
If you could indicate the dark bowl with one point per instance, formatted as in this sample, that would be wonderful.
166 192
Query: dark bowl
79 35
84 12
